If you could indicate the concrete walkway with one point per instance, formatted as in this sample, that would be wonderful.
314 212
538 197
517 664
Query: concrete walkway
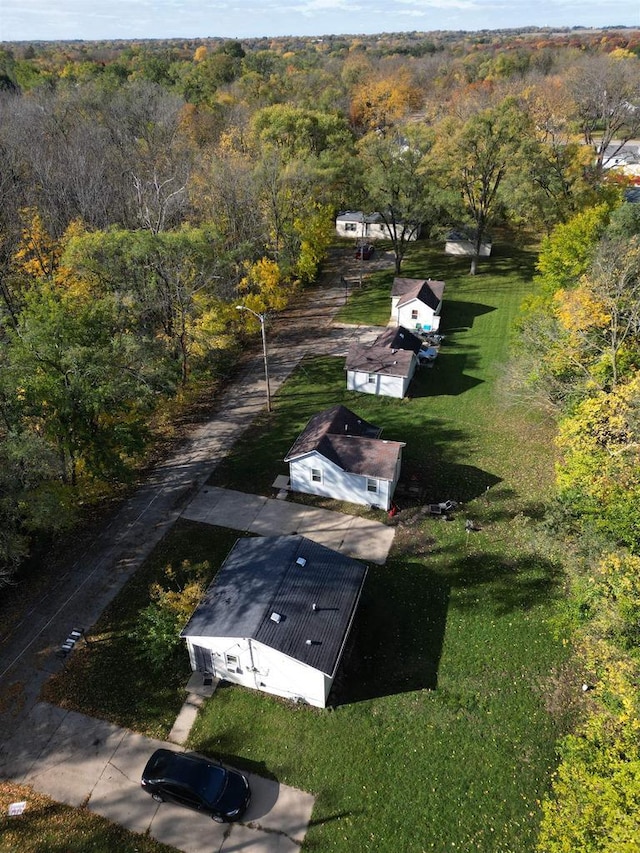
79 761
358 537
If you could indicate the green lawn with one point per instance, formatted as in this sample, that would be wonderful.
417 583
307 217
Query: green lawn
438 738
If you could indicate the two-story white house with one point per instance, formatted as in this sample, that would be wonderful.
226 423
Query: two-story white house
339 455
416 303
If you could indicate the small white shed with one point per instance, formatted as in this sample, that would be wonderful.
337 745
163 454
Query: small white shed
460 243
277 617
416 303
339 455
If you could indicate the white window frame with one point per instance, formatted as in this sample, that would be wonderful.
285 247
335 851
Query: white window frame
414 313
371 378
229 663
372 486
316 475
350 226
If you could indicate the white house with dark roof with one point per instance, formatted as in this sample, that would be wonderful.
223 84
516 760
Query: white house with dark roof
416 303
277 617
339 455
385 367
370 226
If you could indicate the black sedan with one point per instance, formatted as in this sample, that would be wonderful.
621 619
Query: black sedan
197 783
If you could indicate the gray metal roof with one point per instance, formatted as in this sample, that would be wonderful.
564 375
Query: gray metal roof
261 576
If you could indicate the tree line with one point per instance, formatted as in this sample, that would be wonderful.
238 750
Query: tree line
579 352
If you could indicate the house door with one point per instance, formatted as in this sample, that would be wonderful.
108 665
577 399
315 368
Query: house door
204 660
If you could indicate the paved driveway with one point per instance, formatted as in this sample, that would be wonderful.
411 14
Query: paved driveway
78 760
358 537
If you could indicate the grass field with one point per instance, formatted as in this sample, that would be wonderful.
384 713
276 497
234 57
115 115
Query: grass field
49 827
439 737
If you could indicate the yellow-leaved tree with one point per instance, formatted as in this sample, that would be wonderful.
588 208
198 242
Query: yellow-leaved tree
263 287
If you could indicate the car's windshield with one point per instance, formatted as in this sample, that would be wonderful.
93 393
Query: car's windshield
212 783
208 781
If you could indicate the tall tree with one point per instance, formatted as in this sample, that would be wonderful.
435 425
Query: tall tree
397 180
76 381
475 155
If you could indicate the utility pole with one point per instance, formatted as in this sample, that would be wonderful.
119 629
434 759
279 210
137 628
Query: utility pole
261 318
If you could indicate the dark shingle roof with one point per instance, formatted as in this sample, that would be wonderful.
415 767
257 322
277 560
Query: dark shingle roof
349 442
337 420
369 457
380 359
426 290
399 338
261 576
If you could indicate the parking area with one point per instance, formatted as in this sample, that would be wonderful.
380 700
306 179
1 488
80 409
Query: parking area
360 538
79 760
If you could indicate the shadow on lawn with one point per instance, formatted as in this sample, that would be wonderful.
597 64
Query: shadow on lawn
445 378
396 641
439 480
516 584
461 315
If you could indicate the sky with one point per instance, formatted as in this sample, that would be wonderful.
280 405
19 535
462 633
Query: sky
52 20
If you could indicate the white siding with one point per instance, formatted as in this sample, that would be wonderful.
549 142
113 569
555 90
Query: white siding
263 668
367 231
370 230
427 318
466 247
383 385
336 483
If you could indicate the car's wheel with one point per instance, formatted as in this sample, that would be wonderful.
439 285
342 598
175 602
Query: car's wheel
217 818
158 798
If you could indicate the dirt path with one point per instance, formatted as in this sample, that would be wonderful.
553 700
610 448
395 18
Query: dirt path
80 592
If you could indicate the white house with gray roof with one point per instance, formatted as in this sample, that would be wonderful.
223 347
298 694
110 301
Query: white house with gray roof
370 227
277 617
339 455
385 367
416 303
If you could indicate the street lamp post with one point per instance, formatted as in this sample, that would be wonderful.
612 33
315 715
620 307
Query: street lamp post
261 318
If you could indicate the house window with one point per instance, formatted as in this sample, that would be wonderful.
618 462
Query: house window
350 226
414 313
372 486
316 475
371 379
232 662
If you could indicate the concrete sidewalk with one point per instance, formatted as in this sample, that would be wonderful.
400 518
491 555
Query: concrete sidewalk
78 760
358 537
